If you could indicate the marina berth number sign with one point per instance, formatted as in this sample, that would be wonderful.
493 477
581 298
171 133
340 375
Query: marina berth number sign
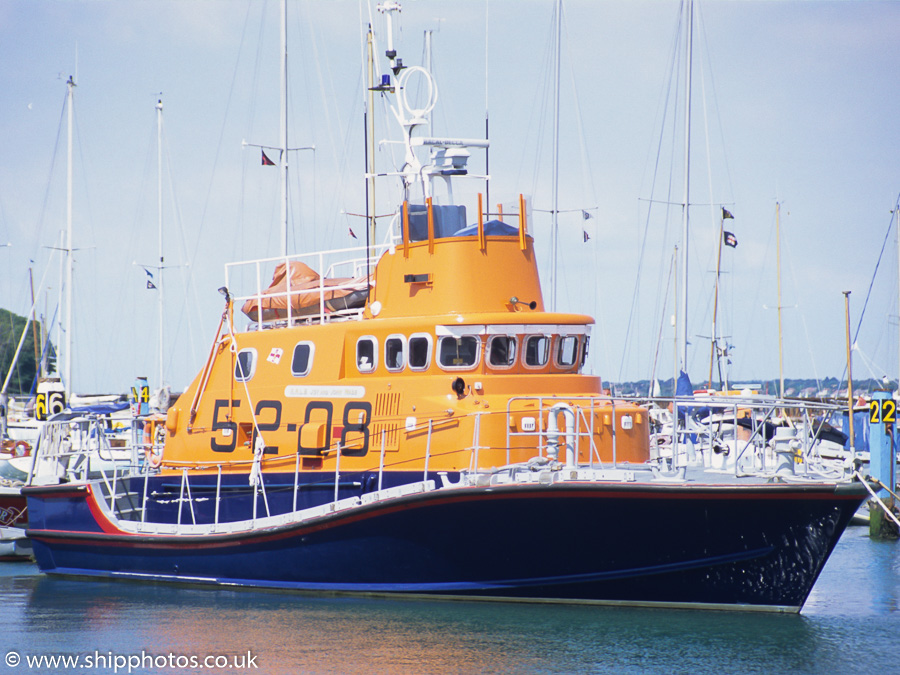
882 411
49 403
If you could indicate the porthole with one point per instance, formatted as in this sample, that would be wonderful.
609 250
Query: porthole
501 351
566 351
419 351
395 353
245 366
301 361
366 354
458 352
537 351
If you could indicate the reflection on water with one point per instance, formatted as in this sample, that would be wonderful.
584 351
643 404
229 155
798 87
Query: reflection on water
852 613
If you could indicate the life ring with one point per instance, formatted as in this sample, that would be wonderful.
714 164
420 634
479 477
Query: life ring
22 449
154 459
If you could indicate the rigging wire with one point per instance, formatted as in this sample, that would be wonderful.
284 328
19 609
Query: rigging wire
862 314
662 111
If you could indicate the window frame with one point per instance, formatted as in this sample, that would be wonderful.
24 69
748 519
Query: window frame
309 361
403 352
546 362
576 351
254 359
374 341
488 351
478 350
428 355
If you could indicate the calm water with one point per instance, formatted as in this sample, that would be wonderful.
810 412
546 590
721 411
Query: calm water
850 624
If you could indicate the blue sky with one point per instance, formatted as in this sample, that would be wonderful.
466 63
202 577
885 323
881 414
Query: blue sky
793 102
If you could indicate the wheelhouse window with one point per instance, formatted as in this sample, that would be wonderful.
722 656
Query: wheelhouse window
457 352
301 361
419 351
584 349
537 350
245 366
501 351
567 351
395 353
366 354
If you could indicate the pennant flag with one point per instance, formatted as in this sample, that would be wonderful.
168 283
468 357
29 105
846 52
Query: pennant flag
726 214
351 232
585 215
150 285
730 239
586 235
265 159
149 273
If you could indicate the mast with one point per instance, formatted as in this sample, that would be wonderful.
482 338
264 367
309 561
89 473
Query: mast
687 182
487 125
34 329
778 262
849 371
283 164
159 209
714 343
675 321
554 236
369 146
67 373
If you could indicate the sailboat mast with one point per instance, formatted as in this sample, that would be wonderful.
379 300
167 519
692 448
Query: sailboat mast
283 164
555 208
687 182
369 133
159 211
67 373
778 261
714 342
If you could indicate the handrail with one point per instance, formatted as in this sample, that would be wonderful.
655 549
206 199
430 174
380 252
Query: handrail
752 453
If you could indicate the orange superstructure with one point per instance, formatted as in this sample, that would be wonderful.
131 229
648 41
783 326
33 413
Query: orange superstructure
451 355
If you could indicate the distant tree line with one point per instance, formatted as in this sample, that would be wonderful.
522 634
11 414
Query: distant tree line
794 387
25 374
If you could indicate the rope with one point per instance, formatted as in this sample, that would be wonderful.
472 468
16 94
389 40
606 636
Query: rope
876 498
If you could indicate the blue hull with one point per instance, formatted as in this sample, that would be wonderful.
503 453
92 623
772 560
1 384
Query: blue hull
758 546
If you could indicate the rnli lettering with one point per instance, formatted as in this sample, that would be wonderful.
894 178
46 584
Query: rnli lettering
314 435
226 426
262 406
302 391
355 434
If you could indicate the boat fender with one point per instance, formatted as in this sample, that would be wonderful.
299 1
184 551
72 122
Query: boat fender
172 420
154 459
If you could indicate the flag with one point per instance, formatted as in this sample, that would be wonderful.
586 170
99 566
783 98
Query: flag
730 239
150 285
351 232
585 215
726 214
149 273
265 160
586 235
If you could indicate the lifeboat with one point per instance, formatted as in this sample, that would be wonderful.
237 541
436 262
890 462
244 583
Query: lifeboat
410 418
